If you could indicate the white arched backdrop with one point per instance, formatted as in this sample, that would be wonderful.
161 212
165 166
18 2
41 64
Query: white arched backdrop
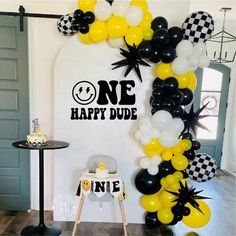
78 62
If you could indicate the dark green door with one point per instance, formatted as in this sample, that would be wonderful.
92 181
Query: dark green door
213 87
14 115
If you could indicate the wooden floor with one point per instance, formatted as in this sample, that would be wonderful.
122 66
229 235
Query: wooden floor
223 220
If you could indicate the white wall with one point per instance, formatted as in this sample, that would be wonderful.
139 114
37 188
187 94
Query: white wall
44 45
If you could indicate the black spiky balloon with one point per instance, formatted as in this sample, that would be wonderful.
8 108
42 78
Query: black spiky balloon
132 61
110 1
191 119
188 195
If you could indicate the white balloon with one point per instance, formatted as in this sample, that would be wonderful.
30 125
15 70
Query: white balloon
155 133
161 120
184 48
119 7
133 15
102 10
180 65
145 120
168 138
137 135
199 49
204 61
144 163
177 126
193 60
155 160
145 139
144 127
153 170
116 43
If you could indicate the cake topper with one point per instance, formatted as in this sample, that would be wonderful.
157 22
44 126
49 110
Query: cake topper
36 126
101 166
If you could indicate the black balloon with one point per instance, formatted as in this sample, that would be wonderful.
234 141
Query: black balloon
177 209
168 104
167 54
186 211
75 25
187 96
157 83
177 112
89 17
156 104
196 145
166 168
84 28
158 93
170 84
187 136
145 49
79 15
159 23
190 154
160 37
146 183
155 56
178 96
176 35
151 220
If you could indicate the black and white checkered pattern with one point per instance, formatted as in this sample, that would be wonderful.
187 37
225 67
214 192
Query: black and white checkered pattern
202 168
64 25
198 27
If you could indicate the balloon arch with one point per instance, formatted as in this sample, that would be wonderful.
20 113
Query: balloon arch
167 134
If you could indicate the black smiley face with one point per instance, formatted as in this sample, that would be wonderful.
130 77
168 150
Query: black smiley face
84 92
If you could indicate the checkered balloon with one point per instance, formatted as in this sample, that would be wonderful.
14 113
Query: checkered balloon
198 27
64 25
202 168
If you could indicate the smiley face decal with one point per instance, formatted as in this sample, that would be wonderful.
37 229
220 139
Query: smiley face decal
84 92
85 185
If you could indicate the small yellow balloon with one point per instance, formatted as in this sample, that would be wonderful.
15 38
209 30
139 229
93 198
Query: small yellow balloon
188 144
170 179
134 35
98 31
117 27
167 198
140 3
184 80
174 187
153 148
179 162
179 175
84 38
178 149
86 5
196 219
167 155
163 183
193 82
145 24
151 203
165 215
163 70
148 34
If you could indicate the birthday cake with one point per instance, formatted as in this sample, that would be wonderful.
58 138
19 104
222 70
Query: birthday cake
37 138
101 172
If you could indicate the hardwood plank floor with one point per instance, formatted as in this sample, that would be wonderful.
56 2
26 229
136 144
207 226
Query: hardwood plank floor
222 223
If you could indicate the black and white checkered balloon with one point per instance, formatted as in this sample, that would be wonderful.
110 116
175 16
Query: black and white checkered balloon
64 25
198 27
202 168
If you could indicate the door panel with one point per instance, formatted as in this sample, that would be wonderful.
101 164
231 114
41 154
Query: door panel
212 88
14 115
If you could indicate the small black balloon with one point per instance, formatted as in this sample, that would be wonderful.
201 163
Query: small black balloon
166 168
155 56
178 217
173 222
187 136
177 112
157 83
196 145
157 104
188 96
84 28
145 49
158 93
170 84
168 104
146 183
89 17
177 209
186 211
151 220
167 54
190 154
178 96
159 23
176 35
75 25
79 15
161 37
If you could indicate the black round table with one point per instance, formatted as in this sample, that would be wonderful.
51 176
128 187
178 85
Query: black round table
41 228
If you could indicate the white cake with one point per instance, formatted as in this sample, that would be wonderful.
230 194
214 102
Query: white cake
101 172
37 139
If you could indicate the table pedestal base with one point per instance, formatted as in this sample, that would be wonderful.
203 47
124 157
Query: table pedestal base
41 230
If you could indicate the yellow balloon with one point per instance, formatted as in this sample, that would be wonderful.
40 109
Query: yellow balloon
134 35
163 183
179 162
145 24
193 82
178 149
84 38
151 203
153 148
163 70
140 3
188 144
86 5
148 34
167 155
179 175
117 27
98 31
184 80
196 219
165 215
170 179
174 187
167 198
